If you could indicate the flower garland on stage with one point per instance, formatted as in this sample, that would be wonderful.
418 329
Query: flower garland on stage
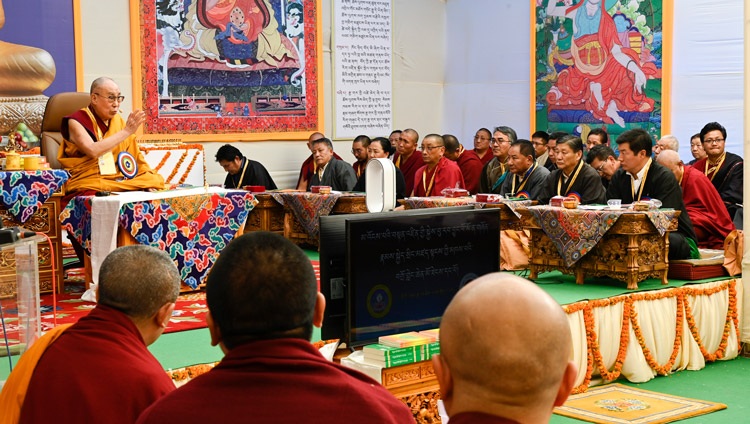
630 317
163 162
177 167
189 168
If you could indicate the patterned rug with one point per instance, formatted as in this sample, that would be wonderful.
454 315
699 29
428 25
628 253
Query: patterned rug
189 313
616 403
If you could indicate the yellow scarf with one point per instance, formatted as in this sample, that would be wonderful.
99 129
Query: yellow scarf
14 390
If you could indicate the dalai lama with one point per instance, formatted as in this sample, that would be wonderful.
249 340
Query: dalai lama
99 149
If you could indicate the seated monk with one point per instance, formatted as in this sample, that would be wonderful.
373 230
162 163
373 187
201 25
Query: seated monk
95 136
710 218
438 172
100 368
24 70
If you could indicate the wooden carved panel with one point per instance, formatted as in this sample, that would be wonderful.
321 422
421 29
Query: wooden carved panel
424 406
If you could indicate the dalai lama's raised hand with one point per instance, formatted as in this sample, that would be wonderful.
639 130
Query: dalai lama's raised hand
135 120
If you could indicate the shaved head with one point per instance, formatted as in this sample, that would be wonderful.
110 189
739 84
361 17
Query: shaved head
670 159
506 345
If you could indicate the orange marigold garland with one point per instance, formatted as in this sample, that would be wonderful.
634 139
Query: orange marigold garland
189 168
162 162
652 362
731 313
177 167
593 354
588 320
624 340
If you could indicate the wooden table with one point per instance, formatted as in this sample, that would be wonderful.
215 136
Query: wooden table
31 199
508 218
184 223
632 250
296 232
268 215
44 221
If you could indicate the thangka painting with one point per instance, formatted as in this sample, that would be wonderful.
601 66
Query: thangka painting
229 66
598 64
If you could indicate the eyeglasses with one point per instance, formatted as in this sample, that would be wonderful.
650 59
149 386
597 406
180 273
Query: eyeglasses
600 168
498 141
112 99
476 137
713 141
538 143
430 148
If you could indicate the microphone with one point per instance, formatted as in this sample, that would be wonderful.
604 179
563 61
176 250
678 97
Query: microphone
13 234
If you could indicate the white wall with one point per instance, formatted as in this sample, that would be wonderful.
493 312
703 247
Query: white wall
417 77
487 67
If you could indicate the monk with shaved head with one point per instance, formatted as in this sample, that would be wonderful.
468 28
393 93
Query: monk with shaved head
505 353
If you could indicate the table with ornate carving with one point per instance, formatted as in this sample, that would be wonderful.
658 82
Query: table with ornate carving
32 200
626 245
302 212
267 215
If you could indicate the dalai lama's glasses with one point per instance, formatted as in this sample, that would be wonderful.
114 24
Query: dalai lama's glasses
112 99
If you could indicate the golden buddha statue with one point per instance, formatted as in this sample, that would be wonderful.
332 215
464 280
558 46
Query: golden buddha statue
24 73
24 70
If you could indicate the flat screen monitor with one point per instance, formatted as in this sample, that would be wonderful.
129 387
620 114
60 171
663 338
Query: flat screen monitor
333 277
402 271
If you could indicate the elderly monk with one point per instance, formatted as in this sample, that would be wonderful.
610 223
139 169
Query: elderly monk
710 219
99 147
332 172
263 302
100 369
724 169
406 158
640 178
527 177
309 167
438 172
467 161
518 381
495 171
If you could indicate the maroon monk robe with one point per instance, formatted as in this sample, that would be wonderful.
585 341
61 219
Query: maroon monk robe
279 381
446 174
486 158
409 168
99 370
308 169
359 167
706 209
471 168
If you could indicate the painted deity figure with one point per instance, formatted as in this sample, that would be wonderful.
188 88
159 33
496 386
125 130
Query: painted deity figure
605 77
